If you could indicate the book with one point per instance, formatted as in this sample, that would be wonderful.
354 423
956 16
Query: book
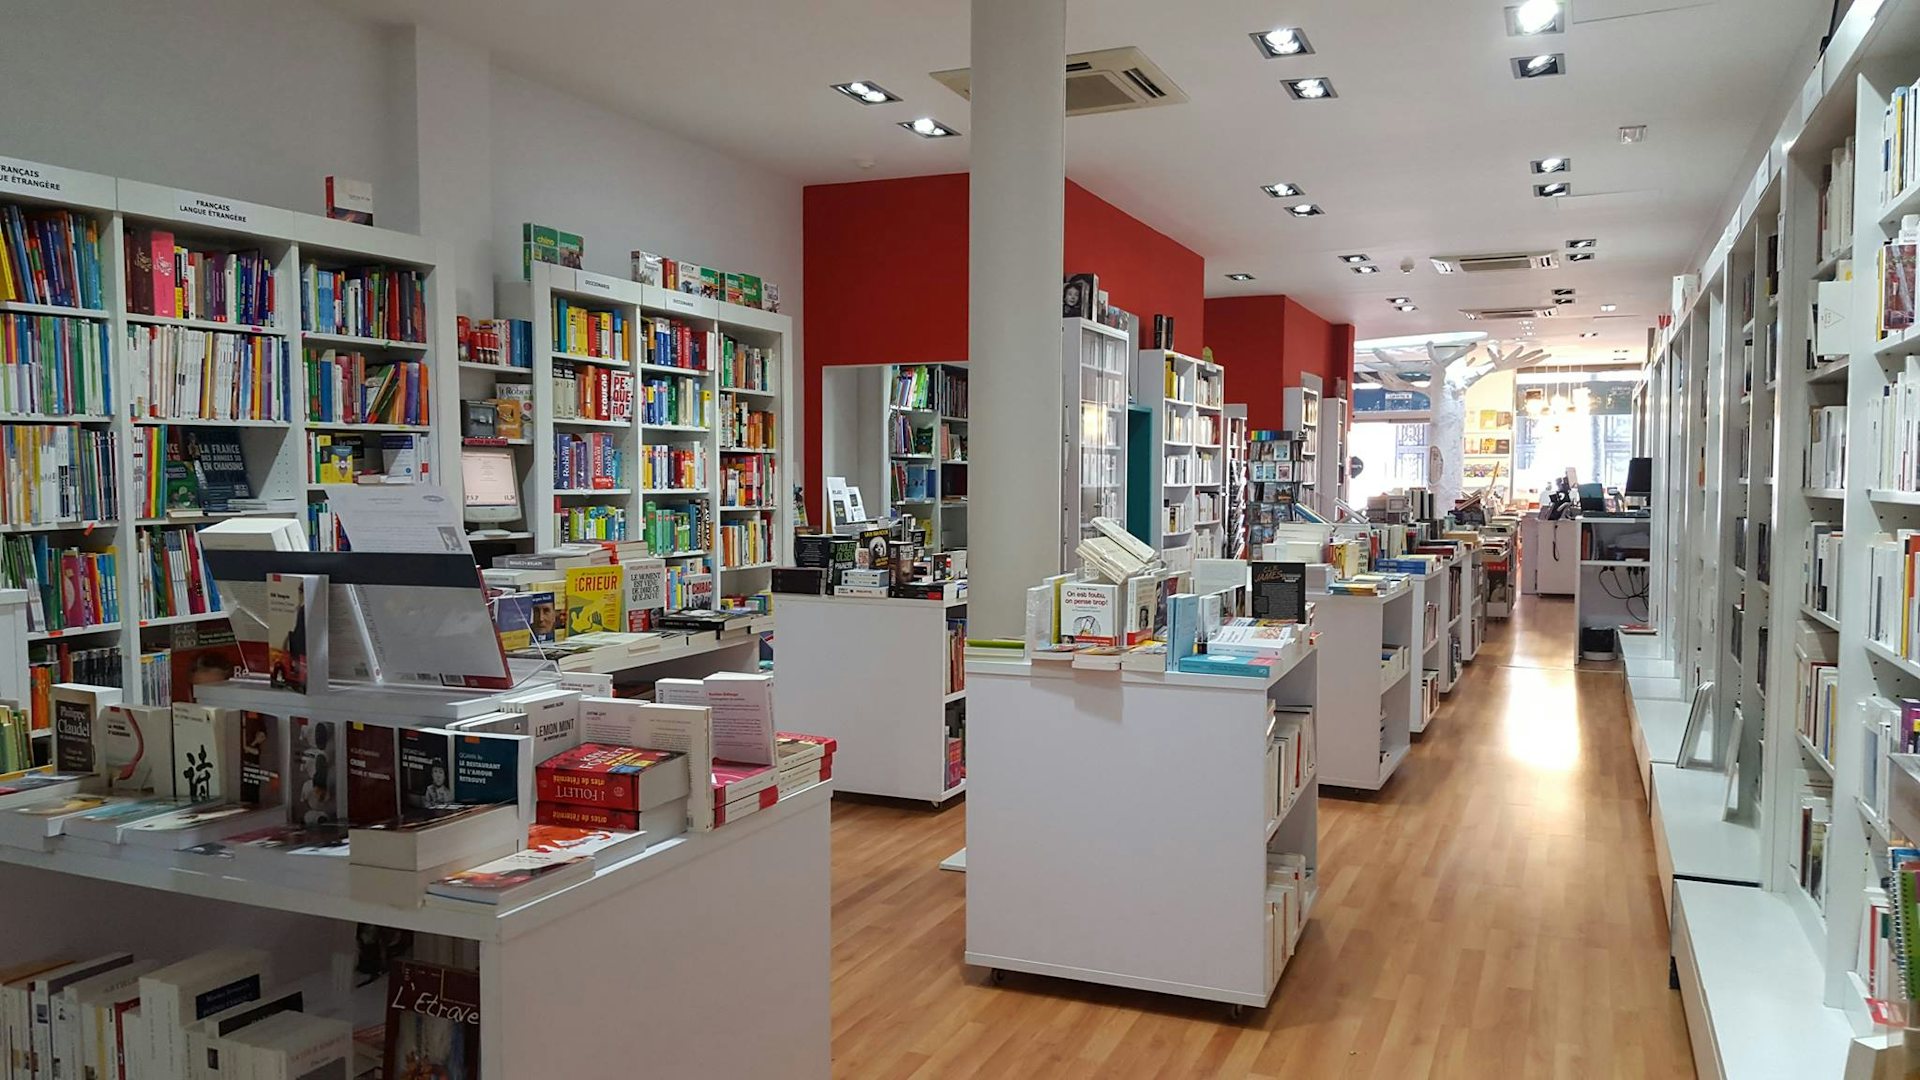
136 749
103 824
433 1023
517 878
742 705
426 770
734 780
1090 613
206 753
491 767
43 988
260 763
421 842
614 777
296 630
36 825
195 824
210 1054
373 774
76 715
189 991
595 600
315 757
1279 591
603 846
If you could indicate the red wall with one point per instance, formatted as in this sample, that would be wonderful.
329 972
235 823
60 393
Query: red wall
1266 343
885 266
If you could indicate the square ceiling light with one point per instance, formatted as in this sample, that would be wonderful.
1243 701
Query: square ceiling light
1282 42
1539 66
1537 17
1316 88
866 92
1581 245
1283 190
1305 209
1555 190
1543 166
928 128
1579 256
1355 260
1239 277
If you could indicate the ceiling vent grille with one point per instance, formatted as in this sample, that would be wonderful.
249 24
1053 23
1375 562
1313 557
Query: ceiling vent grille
1109 80
1481 264
1499 314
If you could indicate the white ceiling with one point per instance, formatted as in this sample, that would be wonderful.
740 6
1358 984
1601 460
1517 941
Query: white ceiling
1423 153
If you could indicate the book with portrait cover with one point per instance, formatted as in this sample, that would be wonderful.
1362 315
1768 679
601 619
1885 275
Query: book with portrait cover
433 1022
373 774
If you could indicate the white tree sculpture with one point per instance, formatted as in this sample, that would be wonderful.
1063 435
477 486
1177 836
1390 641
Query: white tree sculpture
1445 373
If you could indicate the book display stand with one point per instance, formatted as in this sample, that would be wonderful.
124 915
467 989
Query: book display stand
1368 641
1187 399
1065 878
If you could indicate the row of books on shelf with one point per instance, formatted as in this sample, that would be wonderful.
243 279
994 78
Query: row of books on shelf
365 301
905 438
576 523
58 473
55 366
743 427
1807 858
165 277
1836 201
184 373
67 588
591 392
500 342
676 401
678 275
912 483
583 331
677 468
748 480
745 541
590 586
348 388
1816 694
1821 568
50 257
1291 756
324 530
672 528
188 470
503 416
1899 142
386 458
1826 461
53 662
173 575
751 367
671 343
880 561
930 388
590 461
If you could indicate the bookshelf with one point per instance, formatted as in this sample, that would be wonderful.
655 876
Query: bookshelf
925 428
1052 889
692 395
216 369
1300 411
1097 364
1187 397
1364 736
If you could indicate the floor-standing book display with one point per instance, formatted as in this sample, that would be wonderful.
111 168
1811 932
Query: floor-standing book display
904 733
1098 362
1186 396
1368 641
194 358
925 428
1062 876
658 416
1301 412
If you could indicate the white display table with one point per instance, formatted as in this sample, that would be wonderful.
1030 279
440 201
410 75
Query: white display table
1116 831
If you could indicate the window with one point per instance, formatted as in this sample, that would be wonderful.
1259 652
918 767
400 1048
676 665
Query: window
1596 443
1393 454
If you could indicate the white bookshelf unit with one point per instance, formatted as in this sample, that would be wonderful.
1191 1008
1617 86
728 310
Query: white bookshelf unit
1063 876
894 731
925 432
1186 395
1364 736
1300 413
1097 362
252 377
717 434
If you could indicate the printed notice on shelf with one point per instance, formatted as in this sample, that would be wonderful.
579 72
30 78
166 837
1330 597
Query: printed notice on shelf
400 518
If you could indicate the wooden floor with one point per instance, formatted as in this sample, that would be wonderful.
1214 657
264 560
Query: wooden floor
1493 912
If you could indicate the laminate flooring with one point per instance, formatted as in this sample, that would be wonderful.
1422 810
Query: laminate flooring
1492 913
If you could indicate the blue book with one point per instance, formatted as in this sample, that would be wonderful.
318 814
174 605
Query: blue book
1224 665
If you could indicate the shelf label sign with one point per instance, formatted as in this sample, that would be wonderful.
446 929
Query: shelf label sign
594 283
217 211
47 181
686 302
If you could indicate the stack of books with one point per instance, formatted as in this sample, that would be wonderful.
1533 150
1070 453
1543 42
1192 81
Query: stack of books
622 788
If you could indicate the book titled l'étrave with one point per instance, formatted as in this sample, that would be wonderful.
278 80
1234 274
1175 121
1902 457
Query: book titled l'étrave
433 1023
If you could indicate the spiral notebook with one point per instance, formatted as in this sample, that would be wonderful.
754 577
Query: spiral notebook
1905 865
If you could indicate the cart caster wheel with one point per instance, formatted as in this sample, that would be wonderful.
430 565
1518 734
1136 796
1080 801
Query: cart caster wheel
1236 1013
1673 974
997 976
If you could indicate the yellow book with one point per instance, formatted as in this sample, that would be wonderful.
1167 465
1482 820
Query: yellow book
594 600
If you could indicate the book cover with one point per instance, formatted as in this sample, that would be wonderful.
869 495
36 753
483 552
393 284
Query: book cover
592 843
206 753
203 653
318 769
433 1023
614 777
426 770
521 619
76 711
1089 613
1279 591
373 774
646 592
486 767
136 749
260 759
490 882
288 628
577 816
221 466
595 601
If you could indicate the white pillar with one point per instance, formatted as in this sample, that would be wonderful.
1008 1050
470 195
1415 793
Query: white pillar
1016 247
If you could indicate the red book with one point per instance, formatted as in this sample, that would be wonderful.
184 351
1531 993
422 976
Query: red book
160 257
586 817
741 807
736 780
373 775
613 777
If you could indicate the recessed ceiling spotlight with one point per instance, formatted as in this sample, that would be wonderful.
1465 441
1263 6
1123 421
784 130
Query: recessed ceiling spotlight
1590 333
1399 300
1609 309
866 93
1405 307
1552 165
1579 256
928 128
1239 277
1314 89
1563 300
1580 245
1369 268
1283 190
1563 292
1305 209
1633 133
1539 67
1354 260
1536 17
1283 42
1554 190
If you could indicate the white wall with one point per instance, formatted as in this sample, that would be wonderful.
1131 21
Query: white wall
257 100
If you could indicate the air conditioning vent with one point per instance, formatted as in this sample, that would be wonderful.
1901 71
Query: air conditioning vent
1480 264
1109 80
1498 314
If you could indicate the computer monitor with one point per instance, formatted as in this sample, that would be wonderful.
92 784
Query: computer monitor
492 484
1639 478
1593 499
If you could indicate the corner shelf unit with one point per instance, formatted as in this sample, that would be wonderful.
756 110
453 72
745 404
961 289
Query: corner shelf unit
924 427
736 489
274 430
1187 396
